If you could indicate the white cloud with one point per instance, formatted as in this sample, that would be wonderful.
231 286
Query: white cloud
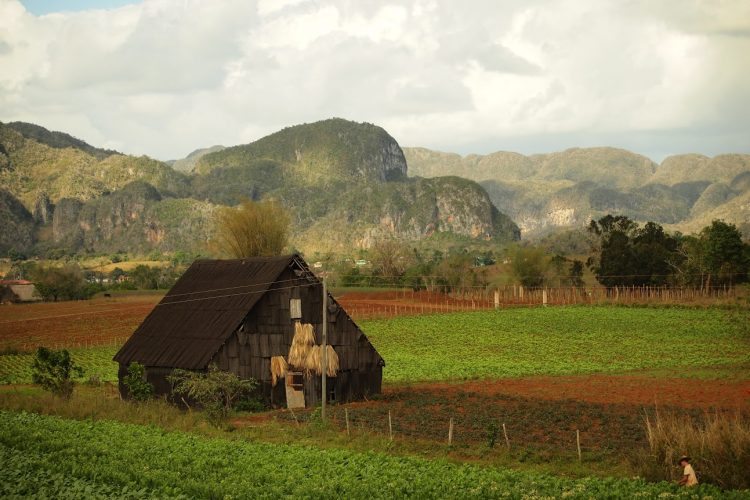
164 77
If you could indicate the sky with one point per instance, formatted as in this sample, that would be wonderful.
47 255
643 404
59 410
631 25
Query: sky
165 77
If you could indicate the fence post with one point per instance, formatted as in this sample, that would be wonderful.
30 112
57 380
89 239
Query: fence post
390 425
497 299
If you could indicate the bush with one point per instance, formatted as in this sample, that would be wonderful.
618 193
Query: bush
135 381
215 391
54 371
719 445
249 404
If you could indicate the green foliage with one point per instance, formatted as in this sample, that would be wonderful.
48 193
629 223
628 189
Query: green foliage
726 256
626 255
216 391
62 283
32 475
529 265
554 341
58 140
54 371
135 381
492 432
151 462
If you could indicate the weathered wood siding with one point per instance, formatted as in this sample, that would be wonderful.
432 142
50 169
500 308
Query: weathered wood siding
268 331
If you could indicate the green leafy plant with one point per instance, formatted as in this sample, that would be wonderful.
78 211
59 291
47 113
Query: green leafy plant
54 371
138 387
214 390
492 431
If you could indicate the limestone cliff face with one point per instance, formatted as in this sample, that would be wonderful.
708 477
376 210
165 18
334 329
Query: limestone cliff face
135 218
409 211
16 224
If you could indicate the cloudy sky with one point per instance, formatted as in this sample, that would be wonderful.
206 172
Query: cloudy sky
164 77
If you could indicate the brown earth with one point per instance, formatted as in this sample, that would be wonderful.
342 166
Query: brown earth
617 389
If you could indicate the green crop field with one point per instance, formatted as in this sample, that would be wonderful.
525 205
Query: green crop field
557 341
53 456
96 362
519 342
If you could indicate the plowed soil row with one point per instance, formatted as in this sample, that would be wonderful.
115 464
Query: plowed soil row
541 414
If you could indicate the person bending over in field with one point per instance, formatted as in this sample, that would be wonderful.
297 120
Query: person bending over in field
688 474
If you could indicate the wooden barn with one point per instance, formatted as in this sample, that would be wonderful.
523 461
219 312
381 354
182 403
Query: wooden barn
245 316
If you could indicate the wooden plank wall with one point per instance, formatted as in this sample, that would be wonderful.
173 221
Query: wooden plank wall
268 331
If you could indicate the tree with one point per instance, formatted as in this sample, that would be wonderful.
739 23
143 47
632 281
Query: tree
576 274
66 282
214 390
390 259
54 371
254 229
529 265
655 255
725 254
624 254
612 259
145 277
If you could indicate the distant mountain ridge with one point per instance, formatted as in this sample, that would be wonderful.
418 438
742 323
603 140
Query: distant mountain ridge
547 192
344 183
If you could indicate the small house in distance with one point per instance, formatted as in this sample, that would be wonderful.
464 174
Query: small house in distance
243 314
18 291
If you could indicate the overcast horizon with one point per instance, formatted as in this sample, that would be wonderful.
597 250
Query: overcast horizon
165 77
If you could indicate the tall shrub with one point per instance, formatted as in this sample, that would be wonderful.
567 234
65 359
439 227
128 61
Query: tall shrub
138 388
215 391
54 371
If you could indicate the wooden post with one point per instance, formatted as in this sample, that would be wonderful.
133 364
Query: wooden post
346 416
505 433
578 443
390 425
544 297
497 299
450 432
324 346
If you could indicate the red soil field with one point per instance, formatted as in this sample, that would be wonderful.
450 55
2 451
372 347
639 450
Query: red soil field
616 389
541 413
72 324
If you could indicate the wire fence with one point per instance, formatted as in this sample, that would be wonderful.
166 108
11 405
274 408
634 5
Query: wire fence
410 303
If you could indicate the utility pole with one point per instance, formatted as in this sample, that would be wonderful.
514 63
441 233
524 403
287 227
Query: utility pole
324 347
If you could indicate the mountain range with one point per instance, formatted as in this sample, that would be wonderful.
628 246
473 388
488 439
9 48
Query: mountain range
345 185
548 192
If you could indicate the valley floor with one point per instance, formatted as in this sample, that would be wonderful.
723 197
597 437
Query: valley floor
542 374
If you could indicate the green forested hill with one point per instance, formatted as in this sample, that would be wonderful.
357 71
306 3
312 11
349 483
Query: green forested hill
72 169
344 184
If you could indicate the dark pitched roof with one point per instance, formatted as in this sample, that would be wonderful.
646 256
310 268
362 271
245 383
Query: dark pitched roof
201 311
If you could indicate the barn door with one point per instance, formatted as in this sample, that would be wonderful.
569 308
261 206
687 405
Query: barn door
295 390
